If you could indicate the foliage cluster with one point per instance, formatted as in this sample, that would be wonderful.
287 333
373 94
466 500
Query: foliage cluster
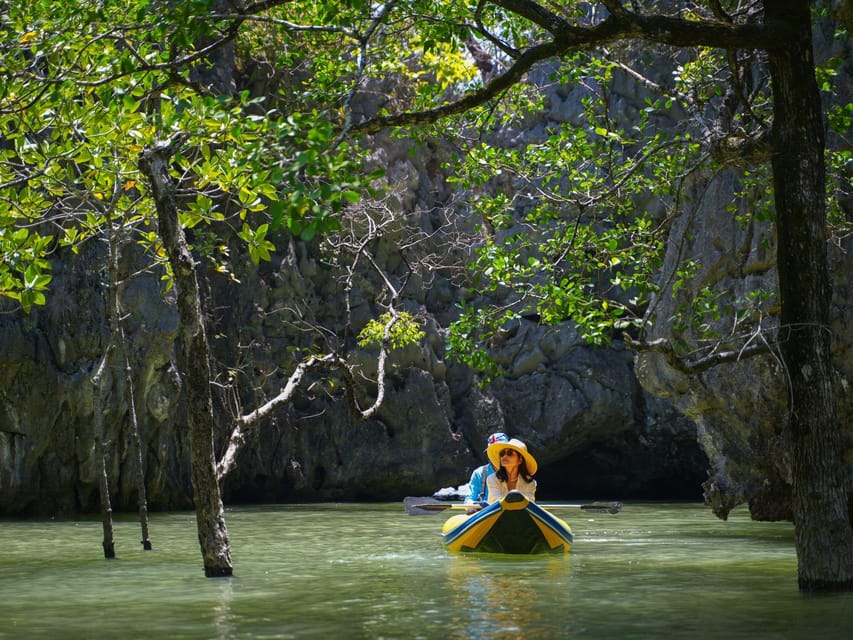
575 223
88 86
402 328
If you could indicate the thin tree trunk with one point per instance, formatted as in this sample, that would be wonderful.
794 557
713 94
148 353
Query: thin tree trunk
193 364
100 455
118 341
142 495
823 536
100 393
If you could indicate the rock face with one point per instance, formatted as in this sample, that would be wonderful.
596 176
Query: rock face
740 410
593 428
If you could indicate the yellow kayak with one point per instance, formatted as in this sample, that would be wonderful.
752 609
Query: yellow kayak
512 525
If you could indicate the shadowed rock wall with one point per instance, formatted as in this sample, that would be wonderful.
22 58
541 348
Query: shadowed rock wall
581 409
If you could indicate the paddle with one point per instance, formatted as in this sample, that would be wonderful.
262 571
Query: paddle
431 506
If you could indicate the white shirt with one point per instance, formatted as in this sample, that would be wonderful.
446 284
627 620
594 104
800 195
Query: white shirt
498 488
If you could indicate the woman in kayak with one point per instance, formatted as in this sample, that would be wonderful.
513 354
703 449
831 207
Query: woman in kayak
515 470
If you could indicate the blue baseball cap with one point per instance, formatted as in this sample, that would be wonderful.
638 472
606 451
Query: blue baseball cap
496 437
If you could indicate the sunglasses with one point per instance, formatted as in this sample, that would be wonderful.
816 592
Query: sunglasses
507 452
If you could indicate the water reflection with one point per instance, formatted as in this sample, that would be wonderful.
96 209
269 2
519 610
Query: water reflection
501 597
223 618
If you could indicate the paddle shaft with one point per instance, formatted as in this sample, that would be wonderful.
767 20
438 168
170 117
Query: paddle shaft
423 506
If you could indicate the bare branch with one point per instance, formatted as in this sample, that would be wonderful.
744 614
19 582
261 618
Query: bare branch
696 365
244 422
355 241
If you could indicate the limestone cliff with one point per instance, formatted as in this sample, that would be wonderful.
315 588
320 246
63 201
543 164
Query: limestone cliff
581 409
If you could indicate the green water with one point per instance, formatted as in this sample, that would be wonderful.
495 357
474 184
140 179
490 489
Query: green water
371 571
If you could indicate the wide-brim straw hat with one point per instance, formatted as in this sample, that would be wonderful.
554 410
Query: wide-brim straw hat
495 449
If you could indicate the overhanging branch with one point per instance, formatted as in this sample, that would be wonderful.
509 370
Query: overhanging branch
492 90
692 366
567 38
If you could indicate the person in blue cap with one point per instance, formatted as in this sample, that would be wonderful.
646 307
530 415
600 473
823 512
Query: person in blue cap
478 491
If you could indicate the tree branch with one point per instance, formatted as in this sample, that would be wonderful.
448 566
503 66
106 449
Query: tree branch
696 365
245 422
567 38
492 90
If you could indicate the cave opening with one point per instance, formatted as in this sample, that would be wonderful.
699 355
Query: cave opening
603 472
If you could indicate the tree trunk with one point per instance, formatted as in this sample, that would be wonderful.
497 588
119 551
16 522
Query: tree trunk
193 365
100 391
823 536
100 455
136 444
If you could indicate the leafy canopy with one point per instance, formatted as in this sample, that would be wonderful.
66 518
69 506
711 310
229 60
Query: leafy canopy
573 219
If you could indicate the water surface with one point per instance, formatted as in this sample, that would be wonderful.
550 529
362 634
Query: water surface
371 571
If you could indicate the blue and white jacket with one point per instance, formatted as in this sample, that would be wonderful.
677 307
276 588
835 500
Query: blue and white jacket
478 491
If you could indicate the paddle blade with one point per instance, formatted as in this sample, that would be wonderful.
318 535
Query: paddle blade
602 507
431 506
424 506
